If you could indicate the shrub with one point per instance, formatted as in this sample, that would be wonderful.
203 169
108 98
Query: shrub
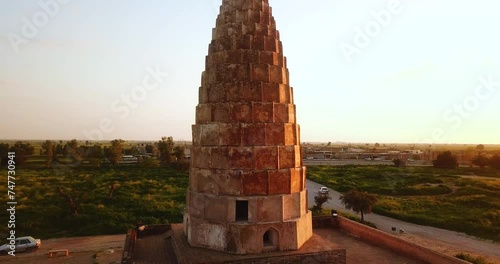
495 162
481 161
471 259
399 163
445 160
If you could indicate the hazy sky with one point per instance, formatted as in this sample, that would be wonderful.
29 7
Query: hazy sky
362 71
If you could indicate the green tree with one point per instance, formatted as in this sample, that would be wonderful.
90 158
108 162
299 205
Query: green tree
23 151
495 162
178 153
77 192
116 151
480 147
445 160
96 152
166 146
49 150
4 150
71 150
481 161
359 202
399 163
320 199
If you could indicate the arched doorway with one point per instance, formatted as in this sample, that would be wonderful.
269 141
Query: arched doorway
270 240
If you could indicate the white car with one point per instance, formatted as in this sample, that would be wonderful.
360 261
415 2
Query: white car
323 190
26 243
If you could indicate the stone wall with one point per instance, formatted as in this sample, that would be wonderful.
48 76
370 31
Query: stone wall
399 245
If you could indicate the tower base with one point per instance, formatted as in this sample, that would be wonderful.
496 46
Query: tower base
315 250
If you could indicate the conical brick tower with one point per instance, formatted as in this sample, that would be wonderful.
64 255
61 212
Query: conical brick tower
247 184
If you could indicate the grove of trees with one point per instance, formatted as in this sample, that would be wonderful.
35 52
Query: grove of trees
60 153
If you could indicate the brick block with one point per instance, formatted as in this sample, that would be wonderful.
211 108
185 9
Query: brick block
213 91
251 91
298 159
243 42
303 178
241 112
220 112
285 76
258 42
290 134
215 208
196 132
229 134
262 112
296 181
276 74
265 157
253 134
202 95
279 181
193 178
219 158
264 18
255 183
291 206
203 113
275 134
231 92
204 183
250 56
271 44
209 135
261 29
231 56
241 157
270 209
260 72
284 93
270 92
242 72
286 157
200 157
291 113
196 204
268 57
222 42
281 113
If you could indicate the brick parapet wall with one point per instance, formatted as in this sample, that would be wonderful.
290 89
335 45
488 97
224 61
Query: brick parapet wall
394 243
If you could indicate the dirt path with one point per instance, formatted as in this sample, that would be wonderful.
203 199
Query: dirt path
445 241
82 250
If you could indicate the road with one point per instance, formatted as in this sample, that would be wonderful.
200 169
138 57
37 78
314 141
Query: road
442 240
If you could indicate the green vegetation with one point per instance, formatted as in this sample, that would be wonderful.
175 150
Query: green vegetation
462 199
106 200
357 219
471 259
327 212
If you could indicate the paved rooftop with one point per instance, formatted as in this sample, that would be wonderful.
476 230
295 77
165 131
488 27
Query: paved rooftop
154 249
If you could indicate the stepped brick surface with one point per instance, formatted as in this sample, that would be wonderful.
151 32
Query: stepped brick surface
246 190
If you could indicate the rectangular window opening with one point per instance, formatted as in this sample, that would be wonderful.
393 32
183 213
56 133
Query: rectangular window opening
241 211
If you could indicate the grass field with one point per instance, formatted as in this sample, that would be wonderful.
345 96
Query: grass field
152 195
465 200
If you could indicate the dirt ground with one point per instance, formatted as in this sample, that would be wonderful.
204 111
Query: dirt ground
82 250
